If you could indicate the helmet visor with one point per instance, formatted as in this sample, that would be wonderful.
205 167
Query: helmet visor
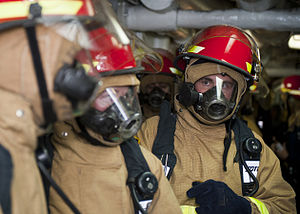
146 57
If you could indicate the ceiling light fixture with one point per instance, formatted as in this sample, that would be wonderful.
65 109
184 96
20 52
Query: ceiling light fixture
294 41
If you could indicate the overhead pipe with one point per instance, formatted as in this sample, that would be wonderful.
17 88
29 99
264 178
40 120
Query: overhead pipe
159 5
268 20
138 18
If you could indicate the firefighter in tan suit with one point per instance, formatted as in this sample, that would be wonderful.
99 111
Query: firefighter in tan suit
156 87
207 176
38 85
91 153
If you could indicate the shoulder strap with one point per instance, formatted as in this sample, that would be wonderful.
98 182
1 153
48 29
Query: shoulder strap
44 157
141 182
6 172
163 146
248 154
44 154
47 104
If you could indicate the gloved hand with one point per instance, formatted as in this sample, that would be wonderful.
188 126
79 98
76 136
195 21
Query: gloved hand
217 198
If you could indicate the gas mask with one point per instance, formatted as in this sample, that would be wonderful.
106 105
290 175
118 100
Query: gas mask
212 106
156 97
212 97
155 89
115 114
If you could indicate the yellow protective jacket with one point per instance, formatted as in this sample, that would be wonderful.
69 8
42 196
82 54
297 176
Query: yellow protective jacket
94 177
18 135
199 150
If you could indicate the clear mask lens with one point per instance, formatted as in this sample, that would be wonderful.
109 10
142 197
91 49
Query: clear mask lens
121 105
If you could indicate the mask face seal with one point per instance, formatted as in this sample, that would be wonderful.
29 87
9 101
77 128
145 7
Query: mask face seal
212 107
213 96
115 114
218 96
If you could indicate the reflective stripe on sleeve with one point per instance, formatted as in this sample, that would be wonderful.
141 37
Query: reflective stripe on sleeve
188 209
260 205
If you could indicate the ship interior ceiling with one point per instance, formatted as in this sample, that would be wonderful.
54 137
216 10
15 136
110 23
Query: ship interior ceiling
169 23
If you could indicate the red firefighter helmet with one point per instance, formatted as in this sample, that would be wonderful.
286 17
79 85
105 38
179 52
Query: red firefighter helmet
109 55
168 58
164 66
152 63
168 74
71 29
146 57
291 85
91 24
226 45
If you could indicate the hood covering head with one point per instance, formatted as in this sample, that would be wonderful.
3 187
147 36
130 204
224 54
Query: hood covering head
154 89
157 78
115 114
17 69
48 51
195 71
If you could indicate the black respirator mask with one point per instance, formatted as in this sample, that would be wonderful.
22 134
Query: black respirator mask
120 121
211 105
155 97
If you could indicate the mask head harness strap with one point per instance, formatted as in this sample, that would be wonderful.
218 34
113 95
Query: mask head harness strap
48 112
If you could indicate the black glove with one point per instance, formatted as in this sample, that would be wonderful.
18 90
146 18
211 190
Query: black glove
217 198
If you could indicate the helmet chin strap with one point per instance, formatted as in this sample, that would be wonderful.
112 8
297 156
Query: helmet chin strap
47 104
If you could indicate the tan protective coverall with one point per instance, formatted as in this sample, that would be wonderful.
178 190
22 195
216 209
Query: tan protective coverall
94 177
199 150
21 109
18 134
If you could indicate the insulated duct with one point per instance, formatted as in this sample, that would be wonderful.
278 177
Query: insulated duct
138 18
